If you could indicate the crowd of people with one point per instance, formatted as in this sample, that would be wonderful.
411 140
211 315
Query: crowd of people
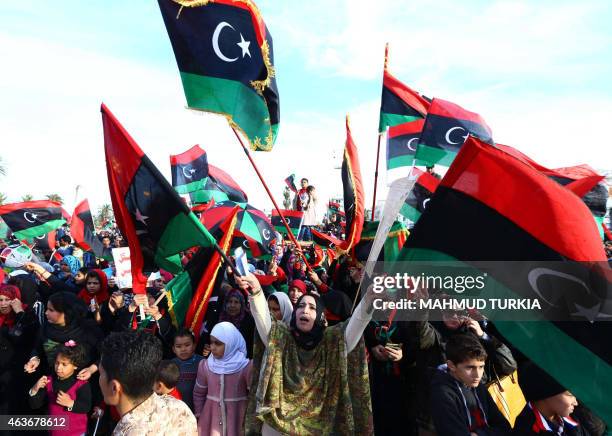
281 352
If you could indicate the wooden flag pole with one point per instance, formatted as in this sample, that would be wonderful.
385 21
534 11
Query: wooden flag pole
289 233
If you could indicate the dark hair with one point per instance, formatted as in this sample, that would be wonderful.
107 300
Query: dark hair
73 308
460 348
303 178
66 238
132 359
84 270
94 275
310 188
77 354
168 373
184 333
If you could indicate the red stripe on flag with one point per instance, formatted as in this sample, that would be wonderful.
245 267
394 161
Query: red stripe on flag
406 128
408 95
36 204
451 110
426 180
288 213
187 157
483 171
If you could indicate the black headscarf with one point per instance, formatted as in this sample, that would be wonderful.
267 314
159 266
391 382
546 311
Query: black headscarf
309 340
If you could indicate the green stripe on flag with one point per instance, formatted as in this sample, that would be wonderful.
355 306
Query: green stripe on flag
213 94
391 120
599 221
206 195
410 212
282 230
180 295
249 228
435 156
183 231
33 232
190 187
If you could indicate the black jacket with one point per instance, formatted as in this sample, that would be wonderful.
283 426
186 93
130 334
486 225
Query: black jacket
528 424
451 403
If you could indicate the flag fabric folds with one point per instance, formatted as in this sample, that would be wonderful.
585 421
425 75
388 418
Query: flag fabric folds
30 219
290 182
446 128
190 291
417 200
485 191
82 229
396 237
225 58
353 192
294 220
399 103
155 221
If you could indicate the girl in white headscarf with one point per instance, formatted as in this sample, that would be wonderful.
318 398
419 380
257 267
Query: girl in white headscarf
220 392
280 307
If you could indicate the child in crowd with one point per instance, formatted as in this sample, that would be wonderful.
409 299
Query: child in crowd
460 403
549 405
184 346
166 379
222 412
66 395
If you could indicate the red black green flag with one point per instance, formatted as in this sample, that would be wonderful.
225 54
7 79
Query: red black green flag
290 182
402 141
419 196
224 54
446 128
294 220
30 219
82 229
45 242
393 244
190 291
399 104
192 175
505 210
155 221
353 192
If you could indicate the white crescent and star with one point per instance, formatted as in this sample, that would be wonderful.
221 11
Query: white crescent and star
409 144
266 234
244 45
425 202
288 221
451 130
32 215
536 273
189 173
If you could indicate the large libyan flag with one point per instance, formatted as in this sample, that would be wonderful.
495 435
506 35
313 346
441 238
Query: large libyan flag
224 54
506 210
30 219
155 220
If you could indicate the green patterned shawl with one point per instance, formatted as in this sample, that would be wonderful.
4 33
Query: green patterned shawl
301 392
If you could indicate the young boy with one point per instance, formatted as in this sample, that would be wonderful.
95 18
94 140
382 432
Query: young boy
184 349
460 404
166 379
549 405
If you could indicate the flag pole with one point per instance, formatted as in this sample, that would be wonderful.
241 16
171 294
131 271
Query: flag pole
263 182
376 176
378 146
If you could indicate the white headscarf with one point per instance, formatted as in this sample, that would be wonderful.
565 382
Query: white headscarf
285 306
234 357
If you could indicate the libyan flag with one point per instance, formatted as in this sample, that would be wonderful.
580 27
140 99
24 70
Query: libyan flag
190 291
225 57
399 104
419 196
353 192
393 244
192 175
446 128
150 214
505 210
82 229
30 219
294 221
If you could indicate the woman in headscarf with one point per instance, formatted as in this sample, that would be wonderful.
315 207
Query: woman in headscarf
18 328
313 380
95 293
235 311
280 307
220 392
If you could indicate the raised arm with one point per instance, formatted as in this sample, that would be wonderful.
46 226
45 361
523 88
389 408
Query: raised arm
258 304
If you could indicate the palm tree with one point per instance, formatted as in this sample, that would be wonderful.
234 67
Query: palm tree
55 197
2 197
2 168
27 197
